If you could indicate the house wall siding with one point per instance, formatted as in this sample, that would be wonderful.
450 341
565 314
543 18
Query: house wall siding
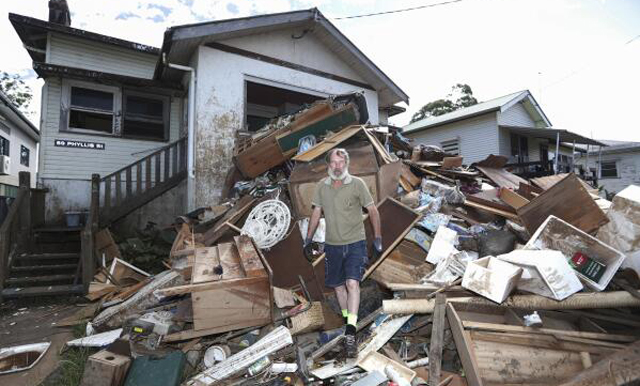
220 110
67 171
516 115
90 55
627 164
18 138
478 137
308 51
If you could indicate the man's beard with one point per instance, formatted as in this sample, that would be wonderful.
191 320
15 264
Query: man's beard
338 177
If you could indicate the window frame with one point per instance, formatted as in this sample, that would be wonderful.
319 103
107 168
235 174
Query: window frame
615 163
166 107
7 148
117 107
22 148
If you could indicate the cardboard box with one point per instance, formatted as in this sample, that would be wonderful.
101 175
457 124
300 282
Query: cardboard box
559 235
492 278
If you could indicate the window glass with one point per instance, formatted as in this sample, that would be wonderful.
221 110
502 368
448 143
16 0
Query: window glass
608 169
90 121
4 146
92 99
144 117
24 155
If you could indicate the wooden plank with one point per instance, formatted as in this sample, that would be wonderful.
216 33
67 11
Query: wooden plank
388 178
567 200
512 198
166 165
479 326
138 178
220 284
381 150
501 177
465 348
206 261
230 261
540 341
147 174
251 263
107 193
489 209
191 334
238 210
408 175
328 144
451 162
377 361
128 183
158 167
490 198
118 188
437 340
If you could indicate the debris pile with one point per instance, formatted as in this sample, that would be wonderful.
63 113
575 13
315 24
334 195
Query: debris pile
485 277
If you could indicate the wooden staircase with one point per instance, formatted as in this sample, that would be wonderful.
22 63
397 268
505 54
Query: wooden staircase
136 184
36 260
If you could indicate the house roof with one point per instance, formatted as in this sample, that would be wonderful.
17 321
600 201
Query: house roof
616 147
33 31
9 111
497 104
181 41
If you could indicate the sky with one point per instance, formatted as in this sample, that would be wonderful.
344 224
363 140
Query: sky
579 58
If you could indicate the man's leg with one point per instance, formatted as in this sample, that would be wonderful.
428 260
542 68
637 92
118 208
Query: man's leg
353 297
342 296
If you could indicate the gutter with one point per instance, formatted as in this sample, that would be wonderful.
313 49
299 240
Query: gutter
190 127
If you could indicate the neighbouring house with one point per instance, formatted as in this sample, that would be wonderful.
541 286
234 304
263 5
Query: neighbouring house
18 151
615 166
163 121
513 125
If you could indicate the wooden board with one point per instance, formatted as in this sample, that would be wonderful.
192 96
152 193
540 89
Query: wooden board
388 179
567 200
242 206
105 368
501 177
492 210
451 162
402 267
377 361
512 198
490 198
329 143
249 258
106 246
437 340
466 349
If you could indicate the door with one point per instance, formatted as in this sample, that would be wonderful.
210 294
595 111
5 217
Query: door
544 156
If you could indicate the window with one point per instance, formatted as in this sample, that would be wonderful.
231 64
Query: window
24 155
519 148
91 110
451 146
145 116
4 146
608 169
110 110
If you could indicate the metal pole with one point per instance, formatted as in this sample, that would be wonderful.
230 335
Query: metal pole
573 157
555 163
587 167
599 162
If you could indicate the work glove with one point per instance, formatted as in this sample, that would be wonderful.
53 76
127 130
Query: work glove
377 246
307 248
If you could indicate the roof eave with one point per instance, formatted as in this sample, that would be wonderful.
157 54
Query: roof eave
33 132
453 120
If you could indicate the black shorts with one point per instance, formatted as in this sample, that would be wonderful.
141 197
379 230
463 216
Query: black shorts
344 262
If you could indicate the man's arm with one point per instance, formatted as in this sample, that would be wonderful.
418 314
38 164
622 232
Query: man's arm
313 223
374 215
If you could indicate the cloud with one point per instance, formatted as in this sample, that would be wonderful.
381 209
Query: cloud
156 19
232 8
126 16
166 11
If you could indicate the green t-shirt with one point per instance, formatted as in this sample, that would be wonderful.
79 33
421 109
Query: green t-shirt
342 209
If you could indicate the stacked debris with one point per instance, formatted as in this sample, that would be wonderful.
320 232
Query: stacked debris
484 278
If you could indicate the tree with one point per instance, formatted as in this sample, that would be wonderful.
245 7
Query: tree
16 90
463 98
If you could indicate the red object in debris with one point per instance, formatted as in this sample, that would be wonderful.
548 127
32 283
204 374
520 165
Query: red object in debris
587 266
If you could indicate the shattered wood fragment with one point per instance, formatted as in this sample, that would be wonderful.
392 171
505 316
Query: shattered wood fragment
329 143
512 198
437 338
451 162
242 206
501 177
502 213
567 200
465 348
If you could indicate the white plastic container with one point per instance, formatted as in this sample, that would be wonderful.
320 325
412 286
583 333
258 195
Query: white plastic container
492 278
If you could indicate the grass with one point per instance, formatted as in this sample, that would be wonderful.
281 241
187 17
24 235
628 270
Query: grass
72 362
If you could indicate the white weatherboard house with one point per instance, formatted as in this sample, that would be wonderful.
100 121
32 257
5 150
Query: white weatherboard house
122 110
615 166
513 125
18 149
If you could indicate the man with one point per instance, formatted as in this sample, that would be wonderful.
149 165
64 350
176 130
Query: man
341 197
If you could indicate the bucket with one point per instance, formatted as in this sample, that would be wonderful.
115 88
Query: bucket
73 219
215 354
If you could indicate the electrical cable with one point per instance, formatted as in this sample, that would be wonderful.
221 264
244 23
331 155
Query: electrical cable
399 10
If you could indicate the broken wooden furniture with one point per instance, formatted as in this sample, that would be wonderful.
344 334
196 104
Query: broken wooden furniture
105 368
230 289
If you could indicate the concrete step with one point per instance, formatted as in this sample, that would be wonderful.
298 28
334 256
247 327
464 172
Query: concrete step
51 257
47 267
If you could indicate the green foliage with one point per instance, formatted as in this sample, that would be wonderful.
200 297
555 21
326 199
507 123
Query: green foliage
16 90
148 249
463 98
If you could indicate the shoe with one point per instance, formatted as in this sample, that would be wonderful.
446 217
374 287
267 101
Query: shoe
350 346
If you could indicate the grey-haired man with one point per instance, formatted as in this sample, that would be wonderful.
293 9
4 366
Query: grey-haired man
341 197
